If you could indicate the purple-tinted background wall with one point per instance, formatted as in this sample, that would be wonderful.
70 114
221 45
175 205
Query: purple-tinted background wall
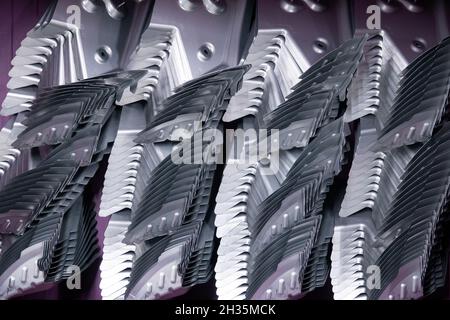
17 17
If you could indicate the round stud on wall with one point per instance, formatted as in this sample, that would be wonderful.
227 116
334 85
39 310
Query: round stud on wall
115 8
316 5
388 6
103 54
320 46
206 51
418 45
291 6
414 6
188 5
89 5
215 6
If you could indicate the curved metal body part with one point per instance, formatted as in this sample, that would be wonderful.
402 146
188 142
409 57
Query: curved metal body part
258 147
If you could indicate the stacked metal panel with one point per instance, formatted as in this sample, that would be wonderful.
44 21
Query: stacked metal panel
172 222
45 207
287 205
389 220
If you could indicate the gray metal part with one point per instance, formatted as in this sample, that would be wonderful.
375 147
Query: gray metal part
116 31
160 280
223 32
117 259
23 274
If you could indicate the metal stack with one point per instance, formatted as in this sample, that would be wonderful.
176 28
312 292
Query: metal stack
54 226
337 165
172 220
388 176
262 213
